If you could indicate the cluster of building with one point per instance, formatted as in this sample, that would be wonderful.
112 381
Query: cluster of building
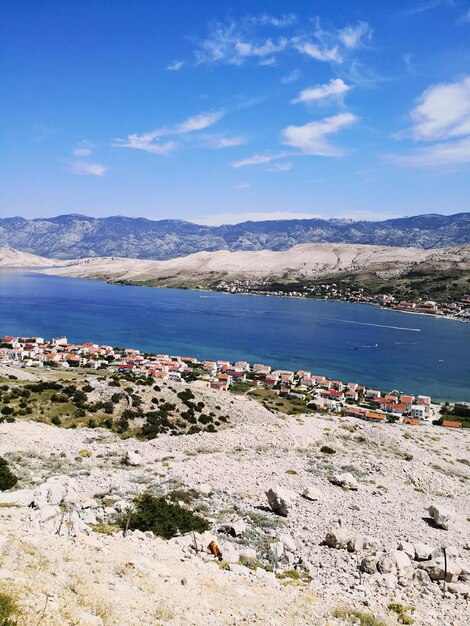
316 391
459 309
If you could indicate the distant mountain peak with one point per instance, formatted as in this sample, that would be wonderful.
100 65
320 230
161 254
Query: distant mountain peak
77 236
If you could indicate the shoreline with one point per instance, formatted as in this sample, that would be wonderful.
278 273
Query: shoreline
268 295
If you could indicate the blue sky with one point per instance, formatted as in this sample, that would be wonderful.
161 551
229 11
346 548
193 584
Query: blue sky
220 112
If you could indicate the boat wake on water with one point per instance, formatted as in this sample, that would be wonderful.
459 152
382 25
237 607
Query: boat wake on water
333 319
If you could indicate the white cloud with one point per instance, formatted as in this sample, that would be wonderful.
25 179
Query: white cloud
221 141
150 142
281 167
440 154
442 118
236 218
280 22
320 54
175 65
443 112
258 159
290 78
334 89
84 168
311 138
82 152
195 123
352 36
267 48
243 186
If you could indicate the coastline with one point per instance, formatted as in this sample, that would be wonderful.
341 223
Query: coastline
268 295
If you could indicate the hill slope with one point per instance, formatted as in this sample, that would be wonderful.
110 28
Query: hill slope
78 236
300 263
14 258
56 549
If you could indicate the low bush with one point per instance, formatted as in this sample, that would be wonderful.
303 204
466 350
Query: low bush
327 450
163 518
8 610
7 478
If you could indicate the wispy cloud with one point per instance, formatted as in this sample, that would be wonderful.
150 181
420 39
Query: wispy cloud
221 141
427 5
291 77
336 88
259 159
312 139
84 168
83 149
175 65
314 51
243 186
281 167
440 154
236 42
151 142
354 36
441 118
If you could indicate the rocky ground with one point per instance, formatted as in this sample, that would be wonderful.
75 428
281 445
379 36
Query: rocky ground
320 520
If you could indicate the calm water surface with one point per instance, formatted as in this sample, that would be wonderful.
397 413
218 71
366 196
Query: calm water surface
352 342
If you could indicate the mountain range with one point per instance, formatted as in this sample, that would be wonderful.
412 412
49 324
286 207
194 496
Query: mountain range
79 236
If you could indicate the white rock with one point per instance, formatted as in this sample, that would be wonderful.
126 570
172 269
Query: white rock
281 500
21 497
369 563
449 571
48 512
440 515
338 538
91 503
88 619
459 588
289 542
235 529
422 552
310 493
408 548
346 480
133 458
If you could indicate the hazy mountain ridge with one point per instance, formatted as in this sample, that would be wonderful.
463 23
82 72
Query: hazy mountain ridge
78 236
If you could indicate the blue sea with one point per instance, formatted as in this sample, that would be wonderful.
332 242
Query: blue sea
352 342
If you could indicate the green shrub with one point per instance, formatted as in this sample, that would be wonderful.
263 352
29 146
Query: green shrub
7 478
327 450
8 610
163 518
56 420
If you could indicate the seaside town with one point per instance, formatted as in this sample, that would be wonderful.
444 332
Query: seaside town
459 309
312 391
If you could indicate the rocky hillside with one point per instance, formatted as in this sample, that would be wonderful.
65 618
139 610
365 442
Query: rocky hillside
15 258
78 236
311 520
303 262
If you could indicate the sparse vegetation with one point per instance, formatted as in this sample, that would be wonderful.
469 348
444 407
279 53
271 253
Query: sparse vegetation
7 478
163 518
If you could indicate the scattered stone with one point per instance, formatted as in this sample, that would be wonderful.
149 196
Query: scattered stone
235 529
281 500
346 480
422 552
338 539
441 570
440 515
133 458
310 493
